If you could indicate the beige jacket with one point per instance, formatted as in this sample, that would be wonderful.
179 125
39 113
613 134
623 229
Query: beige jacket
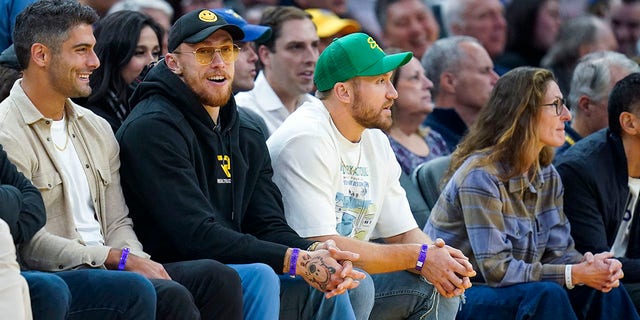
25 135
14 291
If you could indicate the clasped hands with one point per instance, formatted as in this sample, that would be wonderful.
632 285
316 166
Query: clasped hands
329 269
447 269
601 271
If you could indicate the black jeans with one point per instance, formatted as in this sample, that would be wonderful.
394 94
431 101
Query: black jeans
634 292
590 304
199 289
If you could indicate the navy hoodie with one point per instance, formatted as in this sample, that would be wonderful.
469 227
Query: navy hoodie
196 189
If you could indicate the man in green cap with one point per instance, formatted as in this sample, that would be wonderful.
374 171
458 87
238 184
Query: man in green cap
340 181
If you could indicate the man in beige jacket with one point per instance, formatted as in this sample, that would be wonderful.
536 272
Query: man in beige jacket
71 156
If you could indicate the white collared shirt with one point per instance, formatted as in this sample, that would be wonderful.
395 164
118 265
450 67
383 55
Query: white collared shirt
266 103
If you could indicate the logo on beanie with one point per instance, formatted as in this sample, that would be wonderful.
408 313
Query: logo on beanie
207 16
373 44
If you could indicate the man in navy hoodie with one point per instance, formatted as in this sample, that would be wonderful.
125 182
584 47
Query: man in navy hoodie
197 178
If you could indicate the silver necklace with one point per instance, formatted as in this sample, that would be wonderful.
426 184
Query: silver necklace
352 169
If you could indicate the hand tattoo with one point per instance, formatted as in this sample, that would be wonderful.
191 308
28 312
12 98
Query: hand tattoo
317 271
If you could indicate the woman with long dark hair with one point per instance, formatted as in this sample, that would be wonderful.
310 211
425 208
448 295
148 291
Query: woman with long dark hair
127 42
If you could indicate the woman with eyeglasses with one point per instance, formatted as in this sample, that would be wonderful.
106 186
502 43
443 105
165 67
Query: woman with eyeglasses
412 142
127 43
503 208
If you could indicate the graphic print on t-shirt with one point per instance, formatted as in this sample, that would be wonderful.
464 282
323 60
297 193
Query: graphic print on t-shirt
354 209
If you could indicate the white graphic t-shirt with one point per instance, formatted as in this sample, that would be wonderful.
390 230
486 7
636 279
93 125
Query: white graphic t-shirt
331 185
355 211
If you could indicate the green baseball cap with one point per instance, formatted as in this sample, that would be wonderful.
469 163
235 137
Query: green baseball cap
354 55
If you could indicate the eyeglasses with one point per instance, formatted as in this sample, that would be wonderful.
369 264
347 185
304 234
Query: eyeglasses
243 45
559 104
204 55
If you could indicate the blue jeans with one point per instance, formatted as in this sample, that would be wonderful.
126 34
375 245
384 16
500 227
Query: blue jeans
298 300
531 300
363 297
405 295
260 290
91 294
50 295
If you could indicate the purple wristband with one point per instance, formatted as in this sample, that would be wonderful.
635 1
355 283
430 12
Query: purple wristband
422 256
293 260
123 258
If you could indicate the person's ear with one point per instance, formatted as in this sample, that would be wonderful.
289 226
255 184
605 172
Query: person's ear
629 123
172 63
584 103
40 54
264 54
447 82
342 91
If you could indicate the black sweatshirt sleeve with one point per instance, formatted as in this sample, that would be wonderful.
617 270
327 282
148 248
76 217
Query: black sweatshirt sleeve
21 205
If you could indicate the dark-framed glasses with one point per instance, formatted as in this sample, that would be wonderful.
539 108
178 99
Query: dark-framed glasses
559 104
205 55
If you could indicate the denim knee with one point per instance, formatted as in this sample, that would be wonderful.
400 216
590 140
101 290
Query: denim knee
410 296
550 291
365 291
545 299
363 297
263 278
261 290
143 296
104 294
50 295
